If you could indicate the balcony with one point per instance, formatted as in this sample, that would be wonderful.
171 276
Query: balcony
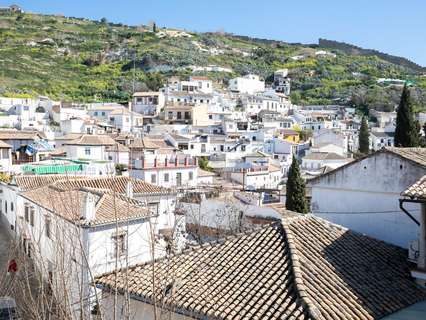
164 162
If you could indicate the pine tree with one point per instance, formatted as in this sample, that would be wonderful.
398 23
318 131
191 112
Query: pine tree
406 134
363 141
296 197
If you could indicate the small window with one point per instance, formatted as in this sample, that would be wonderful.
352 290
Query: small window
153 178
27 213
96 113
87 151
166 177
192 146
103 113
32 213
210 116
47 227
120 245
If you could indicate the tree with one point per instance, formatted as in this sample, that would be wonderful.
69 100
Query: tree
296 197
406 134
363 141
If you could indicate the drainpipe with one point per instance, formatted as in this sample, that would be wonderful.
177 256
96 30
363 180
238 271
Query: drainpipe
421 263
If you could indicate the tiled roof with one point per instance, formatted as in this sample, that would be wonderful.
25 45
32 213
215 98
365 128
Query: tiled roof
117 184
417 190
417 155
66 182
380 134
324 156
70 205
150 143
204 173
20 135
93 140
69 136
4 145
301 268
117 147
146 94
28 182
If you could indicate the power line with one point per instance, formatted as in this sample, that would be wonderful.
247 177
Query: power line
361 212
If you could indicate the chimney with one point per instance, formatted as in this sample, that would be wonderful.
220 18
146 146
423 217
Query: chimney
129 188
89 206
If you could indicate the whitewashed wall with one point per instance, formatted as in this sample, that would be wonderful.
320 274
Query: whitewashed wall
372 185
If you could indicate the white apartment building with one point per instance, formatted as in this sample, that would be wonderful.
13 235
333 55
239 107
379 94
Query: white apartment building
157 162
249 84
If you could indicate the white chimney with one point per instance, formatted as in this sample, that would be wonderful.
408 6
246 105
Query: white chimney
89 206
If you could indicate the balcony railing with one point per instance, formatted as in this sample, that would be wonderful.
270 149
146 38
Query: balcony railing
165 162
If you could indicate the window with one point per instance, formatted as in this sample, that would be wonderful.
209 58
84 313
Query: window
47 227
11 206
139 100
1 205
210 116
5 206
187 115
27 213
192 146
96 113
5 154
179 115
127 119
166 177
32 212
120 245
178 179
191 176
153 178
87 151
103 113
170 115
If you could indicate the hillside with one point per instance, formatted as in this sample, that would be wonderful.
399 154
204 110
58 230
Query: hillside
82 60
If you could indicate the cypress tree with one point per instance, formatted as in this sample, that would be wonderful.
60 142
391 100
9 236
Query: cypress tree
363 141
296 197
406 134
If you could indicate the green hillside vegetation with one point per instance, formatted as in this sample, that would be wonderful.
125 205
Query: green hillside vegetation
80 60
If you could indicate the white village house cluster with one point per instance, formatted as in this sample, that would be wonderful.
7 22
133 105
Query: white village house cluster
98 194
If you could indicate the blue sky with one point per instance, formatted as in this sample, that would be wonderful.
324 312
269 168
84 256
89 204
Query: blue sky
392 26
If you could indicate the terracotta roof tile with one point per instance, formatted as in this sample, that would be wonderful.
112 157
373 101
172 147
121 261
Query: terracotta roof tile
417 190
66 182
301 268
69 204
93 140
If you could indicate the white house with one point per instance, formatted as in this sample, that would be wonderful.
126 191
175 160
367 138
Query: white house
96 147
156 161
250 84
364 194
317 160
256 171
5 157
86 227
149 103
205 177
380 139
